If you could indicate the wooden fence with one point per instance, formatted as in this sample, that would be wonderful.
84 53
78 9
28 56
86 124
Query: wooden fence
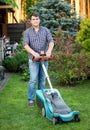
14 31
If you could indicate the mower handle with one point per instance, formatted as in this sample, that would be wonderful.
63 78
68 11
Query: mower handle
43 57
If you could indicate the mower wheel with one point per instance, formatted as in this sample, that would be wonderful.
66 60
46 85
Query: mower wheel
77 118
43 112
55 120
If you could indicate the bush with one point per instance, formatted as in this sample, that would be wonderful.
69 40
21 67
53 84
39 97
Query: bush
10 64
70 69
25 74
14 64
71 66
83 37
21 58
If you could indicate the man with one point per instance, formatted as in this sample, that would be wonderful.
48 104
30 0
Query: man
37 39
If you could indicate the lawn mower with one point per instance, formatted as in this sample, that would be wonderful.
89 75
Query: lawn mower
52 104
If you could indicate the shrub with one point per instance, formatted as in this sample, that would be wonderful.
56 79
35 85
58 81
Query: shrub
21 58
70 69
14 63
10 64
83 37
25 74
71 66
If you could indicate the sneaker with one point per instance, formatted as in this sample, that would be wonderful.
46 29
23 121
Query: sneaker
31 103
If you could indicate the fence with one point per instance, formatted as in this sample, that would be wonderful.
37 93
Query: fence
14 31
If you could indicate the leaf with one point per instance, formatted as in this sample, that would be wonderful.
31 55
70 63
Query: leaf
10 2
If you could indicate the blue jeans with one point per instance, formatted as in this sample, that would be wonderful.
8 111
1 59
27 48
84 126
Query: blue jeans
36 74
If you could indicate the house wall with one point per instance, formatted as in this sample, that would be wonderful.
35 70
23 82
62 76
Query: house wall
89 8
82 7
19 13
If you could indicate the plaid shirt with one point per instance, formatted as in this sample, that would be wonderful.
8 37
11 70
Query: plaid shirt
38 41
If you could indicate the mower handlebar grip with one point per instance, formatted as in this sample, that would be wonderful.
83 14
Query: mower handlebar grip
43 57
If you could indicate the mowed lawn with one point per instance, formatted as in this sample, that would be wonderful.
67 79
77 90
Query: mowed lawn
15 114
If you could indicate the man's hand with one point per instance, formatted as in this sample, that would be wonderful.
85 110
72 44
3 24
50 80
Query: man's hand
31 51
48 54
36 55
50 48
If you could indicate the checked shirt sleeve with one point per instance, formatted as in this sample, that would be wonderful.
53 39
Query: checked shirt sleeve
26 38
49 36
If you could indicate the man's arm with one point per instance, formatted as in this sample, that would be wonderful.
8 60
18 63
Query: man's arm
31 51
50 48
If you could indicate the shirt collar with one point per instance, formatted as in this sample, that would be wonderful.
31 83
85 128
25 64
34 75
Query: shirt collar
34 29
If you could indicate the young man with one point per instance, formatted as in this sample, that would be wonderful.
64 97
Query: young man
37 39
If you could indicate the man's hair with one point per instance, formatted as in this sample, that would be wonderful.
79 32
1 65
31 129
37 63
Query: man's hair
34 14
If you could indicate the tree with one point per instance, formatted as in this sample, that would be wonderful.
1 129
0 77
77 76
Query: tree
30 3
10 2
57 14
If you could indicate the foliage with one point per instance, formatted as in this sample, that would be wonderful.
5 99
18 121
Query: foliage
13 64
25 74
21 58
83 37
71 66
61 40
57 14
10 64
10 2
70 69
28 4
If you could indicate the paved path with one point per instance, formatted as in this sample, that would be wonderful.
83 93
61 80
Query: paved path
4 81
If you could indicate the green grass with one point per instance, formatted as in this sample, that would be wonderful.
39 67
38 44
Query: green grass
15 114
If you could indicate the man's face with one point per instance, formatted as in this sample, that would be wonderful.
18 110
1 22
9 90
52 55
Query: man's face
35 21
